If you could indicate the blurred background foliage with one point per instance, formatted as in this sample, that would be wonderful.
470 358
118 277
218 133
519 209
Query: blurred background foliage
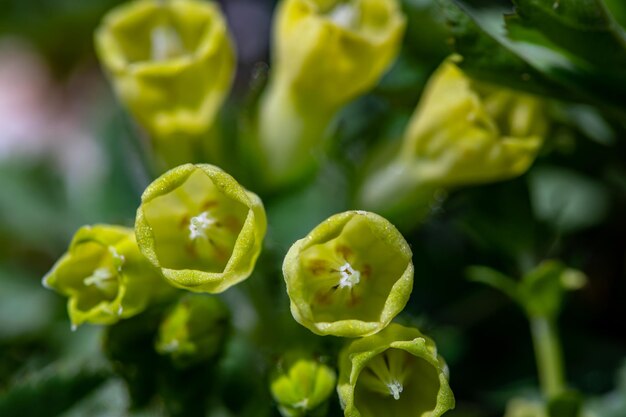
69 156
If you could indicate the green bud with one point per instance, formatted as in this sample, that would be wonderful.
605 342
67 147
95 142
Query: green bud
326 53
171 63
350 276
105 276
396 372
463 132
201 228
301 384
194 330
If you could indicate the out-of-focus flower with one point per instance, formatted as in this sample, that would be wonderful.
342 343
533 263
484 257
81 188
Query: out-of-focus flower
301 385
462 132
326 53
201 228
350 276
194 330
105 276
396 372
171 63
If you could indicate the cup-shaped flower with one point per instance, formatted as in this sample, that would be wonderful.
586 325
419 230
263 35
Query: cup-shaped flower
326 53
194 330
171 63
201 228
466 132
301 385
350 276
396 372
330 51
463 132
105 276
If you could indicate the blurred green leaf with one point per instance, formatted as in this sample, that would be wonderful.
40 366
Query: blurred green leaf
52 390
494 279
566 200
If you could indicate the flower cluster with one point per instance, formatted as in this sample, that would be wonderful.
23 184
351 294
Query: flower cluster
199 230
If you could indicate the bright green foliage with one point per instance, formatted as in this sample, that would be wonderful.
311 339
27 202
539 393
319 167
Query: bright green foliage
326 53
201 227
463 132
171 63
105 276
194 330
350 276
301 385
396 372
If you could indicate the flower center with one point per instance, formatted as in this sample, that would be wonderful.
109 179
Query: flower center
199 225
343 15
166 43
103 279
395 388
349 276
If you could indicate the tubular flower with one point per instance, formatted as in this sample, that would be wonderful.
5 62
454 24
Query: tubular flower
350 276
327 52
105 276
301 385
171 63
462 132
201 228
396 372
194 330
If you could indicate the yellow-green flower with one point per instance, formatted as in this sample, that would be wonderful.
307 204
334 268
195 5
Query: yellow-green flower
201 228
171 63
463 132
326 53
105 276
350 276
194 330
301 385
396 372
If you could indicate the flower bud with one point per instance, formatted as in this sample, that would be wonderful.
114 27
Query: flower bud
396 372
194 330
201 228
105 276
171 63
463 132
326 53
350 276
301 385
467 132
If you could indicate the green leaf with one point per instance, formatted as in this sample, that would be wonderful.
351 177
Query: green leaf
494 279
486 56
566 200
51 390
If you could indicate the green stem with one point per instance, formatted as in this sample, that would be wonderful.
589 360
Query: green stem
290 130
548 355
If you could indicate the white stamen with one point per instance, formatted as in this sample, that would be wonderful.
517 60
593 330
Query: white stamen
198 225
349 276
120 311
74 327
99 278
166 43
395 388
343 15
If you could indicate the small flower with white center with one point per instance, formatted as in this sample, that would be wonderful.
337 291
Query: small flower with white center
201 228
395 372
105 277
350 276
